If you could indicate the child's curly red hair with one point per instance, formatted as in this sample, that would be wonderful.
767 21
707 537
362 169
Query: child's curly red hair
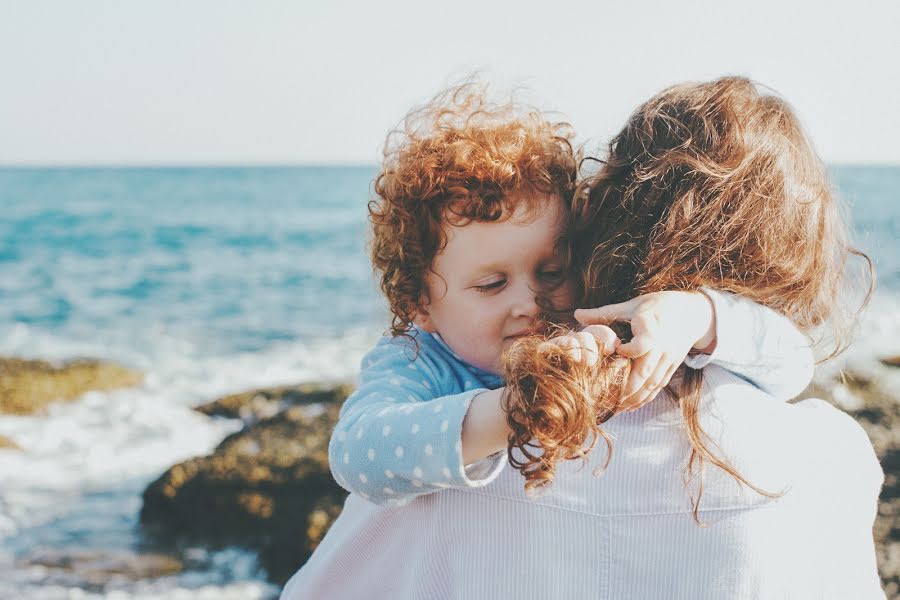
457 159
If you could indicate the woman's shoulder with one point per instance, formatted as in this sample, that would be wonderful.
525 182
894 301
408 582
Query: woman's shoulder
809 441
839 444
832 427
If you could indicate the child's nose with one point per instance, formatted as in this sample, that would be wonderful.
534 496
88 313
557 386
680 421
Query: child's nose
525 304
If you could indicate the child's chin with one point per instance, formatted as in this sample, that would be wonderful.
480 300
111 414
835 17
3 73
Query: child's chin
492 368
483 363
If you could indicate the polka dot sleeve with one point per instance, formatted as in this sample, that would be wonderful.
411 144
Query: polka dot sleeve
399 433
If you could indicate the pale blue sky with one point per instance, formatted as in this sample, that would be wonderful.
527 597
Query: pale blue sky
213 81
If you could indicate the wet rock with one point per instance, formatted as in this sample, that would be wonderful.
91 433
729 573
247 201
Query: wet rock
255 405
891 361
877 409
267 487
94 569
8 444
28 386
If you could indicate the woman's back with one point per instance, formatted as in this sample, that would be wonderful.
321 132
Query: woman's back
630 533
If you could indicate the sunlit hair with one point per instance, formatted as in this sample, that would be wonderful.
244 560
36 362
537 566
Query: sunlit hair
555 406
712 184
460 158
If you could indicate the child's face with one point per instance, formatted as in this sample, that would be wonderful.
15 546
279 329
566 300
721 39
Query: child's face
483 285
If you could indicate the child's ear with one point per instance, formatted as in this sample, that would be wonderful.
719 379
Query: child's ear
423 321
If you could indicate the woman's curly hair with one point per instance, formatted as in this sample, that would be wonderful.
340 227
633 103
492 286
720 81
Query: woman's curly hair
711 184
459 158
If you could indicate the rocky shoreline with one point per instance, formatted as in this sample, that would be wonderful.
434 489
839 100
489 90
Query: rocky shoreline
28 386
269 505
268 487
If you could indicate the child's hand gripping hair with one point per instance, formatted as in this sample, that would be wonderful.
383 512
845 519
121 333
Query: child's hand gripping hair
559 391
666 327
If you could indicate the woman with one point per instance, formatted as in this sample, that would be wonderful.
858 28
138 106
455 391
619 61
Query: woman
707 185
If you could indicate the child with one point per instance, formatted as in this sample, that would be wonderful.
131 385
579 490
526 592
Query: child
473 204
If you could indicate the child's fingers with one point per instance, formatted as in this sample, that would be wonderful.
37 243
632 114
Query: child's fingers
587 346
555 343
569 345
606 338
604 315
654 384
637 347
641 370
645 332
670 372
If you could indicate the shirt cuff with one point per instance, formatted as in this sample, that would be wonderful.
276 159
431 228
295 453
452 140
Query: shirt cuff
720 305
482 471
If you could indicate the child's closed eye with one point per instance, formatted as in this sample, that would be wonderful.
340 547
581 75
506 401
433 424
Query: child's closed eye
491 287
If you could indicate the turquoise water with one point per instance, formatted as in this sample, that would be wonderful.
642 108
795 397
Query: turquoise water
229 259
238 258
873 194
209 281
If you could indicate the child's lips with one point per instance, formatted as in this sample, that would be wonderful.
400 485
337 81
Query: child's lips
517 336
535 330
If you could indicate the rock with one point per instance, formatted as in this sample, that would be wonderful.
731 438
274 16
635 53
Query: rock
8 444
877 409
94 569
891 361
267 487
254 405
28 386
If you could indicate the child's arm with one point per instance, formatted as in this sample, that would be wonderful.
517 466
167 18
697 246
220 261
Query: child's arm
399 433
758 344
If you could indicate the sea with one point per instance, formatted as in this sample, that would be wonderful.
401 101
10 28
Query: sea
212 281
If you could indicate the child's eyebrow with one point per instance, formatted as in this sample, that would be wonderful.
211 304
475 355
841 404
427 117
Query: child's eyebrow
494 267
487 269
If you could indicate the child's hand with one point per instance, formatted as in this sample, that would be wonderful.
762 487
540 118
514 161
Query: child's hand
589 345
665 326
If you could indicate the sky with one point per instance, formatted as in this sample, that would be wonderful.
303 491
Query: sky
164 82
